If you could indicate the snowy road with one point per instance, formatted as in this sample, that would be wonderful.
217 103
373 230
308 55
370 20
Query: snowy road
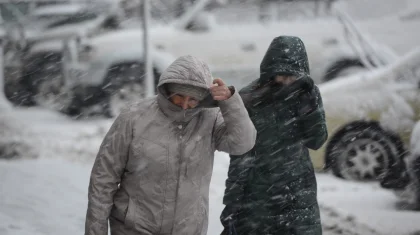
43 197
49 195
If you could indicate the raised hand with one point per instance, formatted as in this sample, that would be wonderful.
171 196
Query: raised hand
219 90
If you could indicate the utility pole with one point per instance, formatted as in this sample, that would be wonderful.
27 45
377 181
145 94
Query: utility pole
148 65
4 103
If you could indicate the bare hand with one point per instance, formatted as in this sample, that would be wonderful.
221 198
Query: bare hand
219 90
285 80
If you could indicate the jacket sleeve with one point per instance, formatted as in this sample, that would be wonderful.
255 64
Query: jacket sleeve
233 131
314 125
239 169
106 175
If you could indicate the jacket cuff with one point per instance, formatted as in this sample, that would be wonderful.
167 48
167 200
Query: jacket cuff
232 90
234 101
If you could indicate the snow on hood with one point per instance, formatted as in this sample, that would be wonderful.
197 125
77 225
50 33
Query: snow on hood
191 71
188 70
376 93
125 45
47 46
59 9
118 38
114 43
373 79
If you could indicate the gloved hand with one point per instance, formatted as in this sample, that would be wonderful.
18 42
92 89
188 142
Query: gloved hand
294 89
308 102
264 94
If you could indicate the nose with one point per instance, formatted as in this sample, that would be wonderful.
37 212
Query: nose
185 103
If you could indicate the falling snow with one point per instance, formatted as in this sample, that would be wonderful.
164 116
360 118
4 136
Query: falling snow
64 90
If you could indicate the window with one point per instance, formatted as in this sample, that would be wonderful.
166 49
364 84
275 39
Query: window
10 12
74 19
414 15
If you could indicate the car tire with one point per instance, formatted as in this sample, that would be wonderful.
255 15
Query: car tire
363 150
39 70
50 92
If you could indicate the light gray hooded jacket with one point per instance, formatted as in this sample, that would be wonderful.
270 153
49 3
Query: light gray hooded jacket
152 173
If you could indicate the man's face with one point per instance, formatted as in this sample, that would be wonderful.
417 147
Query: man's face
185 102
284 79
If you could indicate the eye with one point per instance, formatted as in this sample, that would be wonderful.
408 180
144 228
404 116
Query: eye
193 101
178 96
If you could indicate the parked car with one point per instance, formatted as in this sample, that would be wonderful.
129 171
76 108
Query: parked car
232 50
105 75
370 117
37 52
64 20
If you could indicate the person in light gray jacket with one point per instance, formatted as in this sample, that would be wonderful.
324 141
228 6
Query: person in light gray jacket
152 173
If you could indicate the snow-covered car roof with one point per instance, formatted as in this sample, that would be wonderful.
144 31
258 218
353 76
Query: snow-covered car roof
122 37
122 46
47 46
59 9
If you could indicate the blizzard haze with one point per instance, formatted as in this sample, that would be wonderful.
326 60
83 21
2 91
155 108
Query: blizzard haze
64 85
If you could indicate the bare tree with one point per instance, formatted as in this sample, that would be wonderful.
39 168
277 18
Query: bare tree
148 63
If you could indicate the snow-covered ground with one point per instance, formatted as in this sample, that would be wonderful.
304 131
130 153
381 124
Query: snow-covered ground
48 195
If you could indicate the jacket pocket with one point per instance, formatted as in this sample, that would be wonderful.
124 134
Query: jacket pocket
119 210
130 215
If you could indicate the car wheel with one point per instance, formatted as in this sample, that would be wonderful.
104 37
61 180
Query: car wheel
51 93
37 70
362 150
14 90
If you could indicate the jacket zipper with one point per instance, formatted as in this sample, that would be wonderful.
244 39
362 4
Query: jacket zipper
181 147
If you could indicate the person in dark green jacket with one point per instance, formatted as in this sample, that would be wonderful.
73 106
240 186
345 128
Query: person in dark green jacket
272 189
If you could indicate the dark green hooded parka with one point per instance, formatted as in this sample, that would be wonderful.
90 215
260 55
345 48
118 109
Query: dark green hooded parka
272 189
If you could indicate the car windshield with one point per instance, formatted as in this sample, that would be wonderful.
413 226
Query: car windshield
74 19
10 12
45 16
